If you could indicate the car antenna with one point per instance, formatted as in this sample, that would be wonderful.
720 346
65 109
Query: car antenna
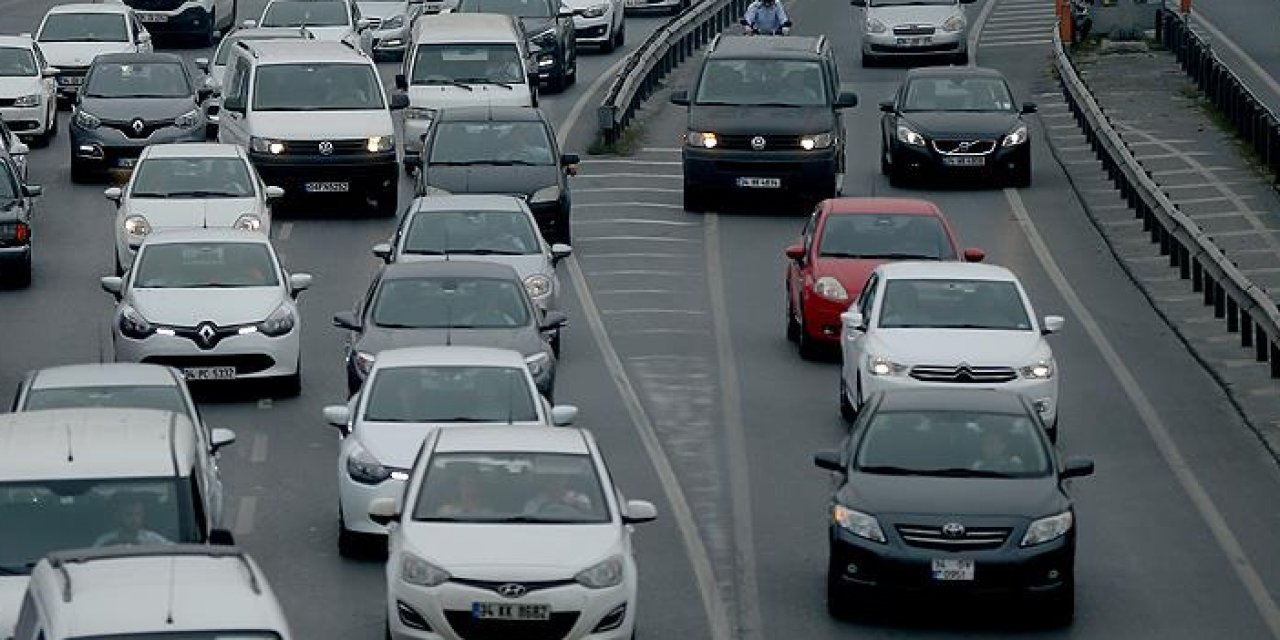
173 570
448 320
70 454
511 392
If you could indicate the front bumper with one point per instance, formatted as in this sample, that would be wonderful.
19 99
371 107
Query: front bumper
108 148
797 171
254 355
366 176
1042 394
26 121
1000 163
822 316
192 20
354 498
938 43
593 31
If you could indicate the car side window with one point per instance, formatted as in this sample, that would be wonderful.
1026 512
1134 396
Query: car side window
237 84
41 62
868 295
811 229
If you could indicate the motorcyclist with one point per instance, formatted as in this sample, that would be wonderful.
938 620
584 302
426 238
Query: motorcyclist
767 17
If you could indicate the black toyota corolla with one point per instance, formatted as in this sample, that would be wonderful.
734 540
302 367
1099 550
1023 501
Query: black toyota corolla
951 491
955 120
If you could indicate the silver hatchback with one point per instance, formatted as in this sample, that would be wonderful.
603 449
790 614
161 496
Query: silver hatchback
902 28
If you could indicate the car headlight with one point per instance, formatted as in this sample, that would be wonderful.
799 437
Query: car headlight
704 139
363 360
907 135
1016 137
429 190
137 226
545 195
86 120
545 38
954 23
875 26
537 285
538 363
602 575
378 144
280 322
882 366
365 469
394 22
187 120
248 222
863 525
594 11
133 325
415 570
1048 529
32 100
419 113
831 289
1042 370
817 141
266 145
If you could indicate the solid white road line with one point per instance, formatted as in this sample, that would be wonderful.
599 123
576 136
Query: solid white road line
245 515
1253 65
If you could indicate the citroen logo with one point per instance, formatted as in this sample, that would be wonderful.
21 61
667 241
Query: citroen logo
953 530
138 125
206 332
326 148
512 590
757 143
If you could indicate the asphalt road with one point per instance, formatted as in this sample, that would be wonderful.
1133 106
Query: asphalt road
677 359
1243 32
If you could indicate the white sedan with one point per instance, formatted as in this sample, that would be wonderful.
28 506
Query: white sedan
513 532
599 23
189 185
28 96
953 324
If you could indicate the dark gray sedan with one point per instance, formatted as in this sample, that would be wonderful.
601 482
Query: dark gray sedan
16 204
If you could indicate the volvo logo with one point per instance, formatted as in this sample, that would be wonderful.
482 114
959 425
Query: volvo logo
966 145
512 590
138 125
757 143
326 148
953 530
206 332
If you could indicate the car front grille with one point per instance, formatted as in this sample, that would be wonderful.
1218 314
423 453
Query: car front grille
771 142
914 30
495 585
962 374
245 364
964 147
142 132
154 5
313 147
959 539
469 628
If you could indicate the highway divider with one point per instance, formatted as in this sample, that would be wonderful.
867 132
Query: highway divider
1245 308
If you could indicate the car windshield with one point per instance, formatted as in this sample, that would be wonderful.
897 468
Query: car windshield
885 237
84 27
518 8
476 232
491 143
952 443
164 397
137 80
192 178
48 515
518 487
450 394
957 93
763 82
236 634
470 64
196 265
953 304
458 303
17 63
287 13
316 87
228 43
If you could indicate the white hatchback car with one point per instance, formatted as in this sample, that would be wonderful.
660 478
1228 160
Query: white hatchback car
515 532
954 324
28 96
600 23
189 185
215 303
72 35
409 392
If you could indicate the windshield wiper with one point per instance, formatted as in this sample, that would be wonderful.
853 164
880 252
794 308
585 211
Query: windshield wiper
424 252
148 194
455 83
204 194
486 252
524 519
225 285
889 470
486 81
962 472
18 570
967 325
400 325
778 104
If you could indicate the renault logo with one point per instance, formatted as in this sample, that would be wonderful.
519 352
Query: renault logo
757 143
138 125
326 148
953 530
206 332
512 590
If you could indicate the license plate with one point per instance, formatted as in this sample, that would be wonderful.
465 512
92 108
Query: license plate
953 570
327 187
71 80
964 161
760 183
152 17
510 611
126 163
209 373
635 3
914 42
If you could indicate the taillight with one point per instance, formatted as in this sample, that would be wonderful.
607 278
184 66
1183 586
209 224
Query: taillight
22 233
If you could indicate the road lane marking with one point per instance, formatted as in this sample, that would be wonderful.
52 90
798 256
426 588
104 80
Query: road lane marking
656 163
258 453
976 32
634 292
245 515
639 272
1248 60
286 230
629 256
1182 471
624 312
667 176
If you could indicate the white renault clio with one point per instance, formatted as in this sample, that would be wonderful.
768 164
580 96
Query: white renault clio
511 532
954 324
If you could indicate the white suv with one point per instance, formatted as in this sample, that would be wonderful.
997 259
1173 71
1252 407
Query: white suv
315 120
328 20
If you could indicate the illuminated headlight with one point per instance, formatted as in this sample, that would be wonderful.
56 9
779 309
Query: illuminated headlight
863 525
133 325
1017 137
365 469
415 570
595 11
363 361
538 363
907 135
602 575
86 120
817 141
882 366
378 144
419 113
280 322
394 22
429 190
1048 529
545 195
137 226
875 26
831 289
954 23
248 222
266 145
704 139
187 120
32 100
537 285
1042 370
545 60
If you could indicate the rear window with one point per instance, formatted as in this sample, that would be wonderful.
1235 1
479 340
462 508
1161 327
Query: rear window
166 398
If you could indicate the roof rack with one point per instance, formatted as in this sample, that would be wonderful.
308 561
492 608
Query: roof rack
60 559
822 40
246 45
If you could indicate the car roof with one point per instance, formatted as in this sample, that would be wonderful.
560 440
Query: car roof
908 206
60 444
449 268
268 33
993 400
294 51
106 374
193 150
212 234
84 7
464 27
449 355
22 41
465 202
136 58
775 47
507 438
930 270
953 72
491 114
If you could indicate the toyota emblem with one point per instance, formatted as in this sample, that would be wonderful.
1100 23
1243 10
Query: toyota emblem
326 148
206 333
512 590
757 143
138 125
953 530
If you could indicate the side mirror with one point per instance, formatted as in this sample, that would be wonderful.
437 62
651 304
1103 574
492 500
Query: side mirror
32 190
554 320
113 285
299 282
273 193
221 438
829 460
114 194
563 415
221 538
19 148
565 12
974 255
1076 468
560 252
639 511
402 83
50 72
858 3
233 103
1029 107
399 101
346 320
204 93
569 159
853 321
338 415
383 510
249 24
362 24
847 100
382 250
795 252
202 64
887 106
680 97
144 38
1052 324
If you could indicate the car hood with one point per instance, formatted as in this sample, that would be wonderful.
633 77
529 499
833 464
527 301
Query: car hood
754 120
20 86
481 95
931 15
358 123
526 340
962 125
192 212
189 307
522 181
335 33
949 347
126 109
534 26
525 265
850 272
501 551
80 54
382 10
396 444
12 589
886 496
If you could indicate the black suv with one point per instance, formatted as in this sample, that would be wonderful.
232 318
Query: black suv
15 225
549 29
764 118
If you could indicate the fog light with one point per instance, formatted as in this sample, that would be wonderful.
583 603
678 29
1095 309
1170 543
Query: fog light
410 617
612 620
1053 574
851 568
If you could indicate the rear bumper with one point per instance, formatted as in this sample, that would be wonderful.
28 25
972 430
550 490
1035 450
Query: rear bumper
364 177
796 171
191 20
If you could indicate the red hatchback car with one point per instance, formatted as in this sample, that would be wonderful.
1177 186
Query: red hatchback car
843 241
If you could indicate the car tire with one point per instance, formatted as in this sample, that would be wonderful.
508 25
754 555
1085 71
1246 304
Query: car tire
80 174
847 410
808 347
352 544
609 44
554 342
621 38
885 167
793 327
557 82
571 74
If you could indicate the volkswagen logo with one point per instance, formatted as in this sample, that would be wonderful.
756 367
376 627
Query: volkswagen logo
138 125
326 148
512 590
953 530
207 332
757 143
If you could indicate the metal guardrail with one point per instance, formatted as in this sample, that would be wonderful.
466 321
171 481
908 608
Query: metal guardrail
1246 308
1251 118
662 52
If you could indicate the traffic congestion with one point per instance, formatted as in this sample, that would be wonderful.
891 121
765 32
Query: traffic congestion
327 324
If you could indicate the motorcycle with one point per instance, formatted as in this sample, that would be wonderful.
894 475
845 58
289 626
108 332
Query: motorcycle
749 30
